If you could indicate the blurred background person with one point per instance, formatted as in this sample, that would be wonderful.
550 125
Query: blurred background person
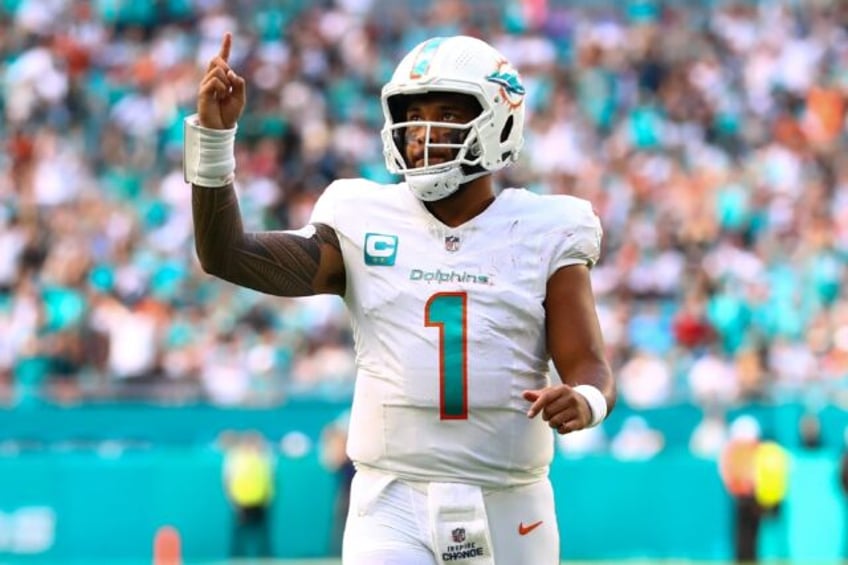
771 482
636 440
737 466
843 485
249 469
710 435
810 433
334 458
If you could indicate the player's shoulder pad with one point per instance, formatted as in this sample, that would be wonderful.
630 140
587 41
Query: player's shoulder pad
341 194
569 223
553 211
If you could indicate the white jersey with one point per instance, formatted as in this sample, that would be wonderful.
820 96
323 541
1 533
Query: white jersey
449 327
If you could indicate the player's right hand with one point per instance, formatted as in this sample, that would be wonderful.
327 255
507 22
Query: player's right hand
221 97
564 409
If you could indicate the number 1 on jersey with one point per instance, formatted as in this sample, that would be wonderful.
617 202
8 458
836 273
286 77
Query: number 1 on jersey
447 311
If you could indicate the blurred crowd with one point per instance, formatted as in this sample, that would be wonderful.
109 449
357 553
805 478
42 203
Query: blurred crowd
707 135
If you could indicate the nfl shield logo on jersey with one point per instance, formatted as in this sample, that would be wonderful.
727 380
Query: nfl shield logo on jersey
452 242
458 535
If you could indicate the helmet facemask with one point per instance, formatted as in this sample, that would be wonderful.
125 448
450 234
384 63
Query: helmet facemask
455 148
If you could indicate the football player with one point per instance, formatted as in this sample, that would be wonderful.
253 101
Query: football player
459 296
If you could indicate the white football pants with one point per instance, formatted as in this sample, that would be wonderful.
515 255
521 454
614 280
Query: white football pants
388 523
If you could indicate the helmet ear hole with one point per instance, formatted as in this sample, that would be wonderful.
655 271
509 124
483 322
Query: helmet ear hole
507 129
397 106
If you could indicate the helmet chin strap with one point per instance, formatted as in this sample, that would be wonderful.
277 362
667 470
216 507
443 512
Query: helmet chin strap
436 186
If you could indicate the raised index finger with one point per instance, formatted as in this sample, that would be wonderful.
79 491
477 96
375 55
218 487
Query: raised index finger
225 46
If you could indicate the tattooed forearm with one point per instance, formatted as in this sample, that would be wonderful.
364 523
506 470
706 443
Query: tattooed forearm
278 263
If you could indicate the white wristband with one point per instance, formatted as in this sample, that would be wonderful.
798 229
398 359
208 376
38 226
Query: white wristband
208 154
596 400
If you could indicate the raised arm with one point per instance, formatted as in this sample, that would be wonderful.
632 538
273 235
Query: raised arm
284 263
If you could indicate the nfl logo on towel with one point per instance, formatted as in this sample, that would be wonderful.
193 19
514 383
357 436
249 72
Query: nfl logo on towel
458 535
452 243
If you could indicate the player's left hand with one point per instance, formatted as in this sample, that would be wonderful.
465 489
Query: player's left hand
221 97
561 407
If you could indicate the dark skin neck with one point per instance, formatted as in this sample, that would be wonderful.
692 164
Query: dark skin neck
464 204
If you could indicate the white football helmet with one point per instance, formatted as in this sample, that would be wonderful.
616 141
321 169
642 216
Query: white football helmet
491 141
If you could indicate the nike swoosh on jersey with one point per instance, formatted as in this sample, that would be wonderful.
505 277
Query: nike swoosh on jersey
524 530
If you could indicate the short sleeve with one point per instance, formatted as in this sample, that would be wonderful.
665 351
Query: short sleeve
324 211
577 238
